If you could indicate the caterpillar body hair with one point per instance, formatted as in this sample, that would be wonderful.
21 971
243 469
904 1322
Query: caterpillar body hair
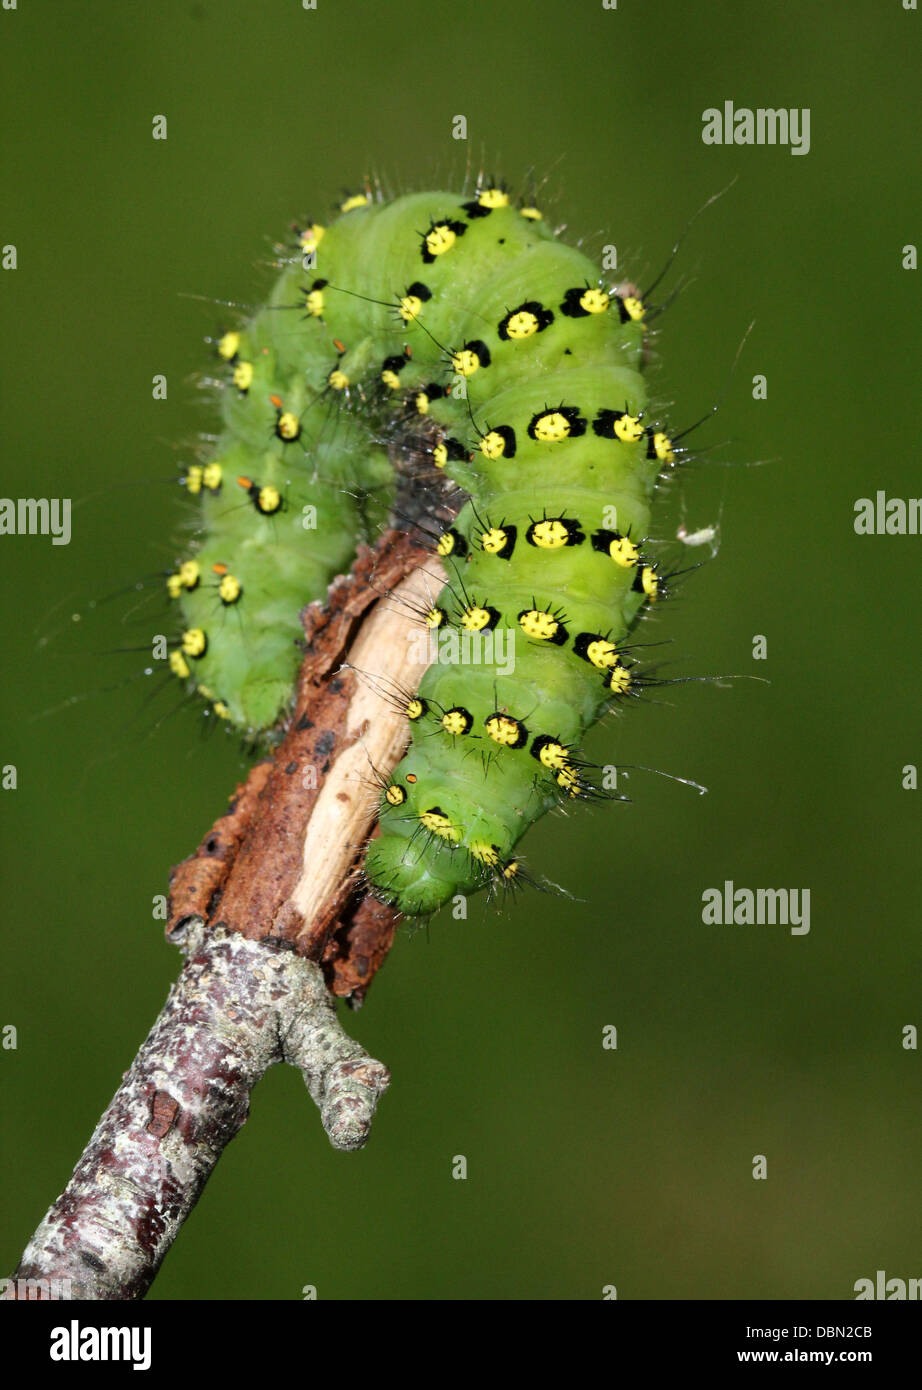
457 338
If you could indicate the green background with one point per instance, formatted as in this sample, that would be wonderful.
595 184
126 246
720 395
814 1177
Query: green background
587 1166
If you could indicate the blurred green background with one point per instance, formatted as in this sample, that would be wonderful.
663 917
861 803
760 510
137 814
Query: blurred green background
587 1166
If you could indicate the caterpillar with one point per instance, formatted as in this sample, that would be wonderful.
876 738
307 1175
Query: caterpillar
460 331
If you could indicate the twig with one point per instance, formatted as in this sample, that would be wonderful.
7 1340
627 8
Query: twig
272 916
238 1007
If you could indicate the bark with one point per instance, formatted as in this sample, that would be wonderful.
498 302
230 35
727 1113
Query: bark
238 1007
274 920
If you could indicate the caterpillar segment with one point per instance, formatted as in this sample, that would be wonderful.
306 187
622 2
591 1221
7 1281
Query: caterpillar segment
466 318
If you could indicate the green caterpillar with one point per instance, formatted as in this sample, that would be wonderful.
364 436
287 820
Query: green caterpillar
292 483
466 323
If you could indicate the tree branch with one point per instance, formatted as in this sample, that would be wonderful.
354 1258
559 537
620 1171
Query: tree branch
238 1007
272 916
